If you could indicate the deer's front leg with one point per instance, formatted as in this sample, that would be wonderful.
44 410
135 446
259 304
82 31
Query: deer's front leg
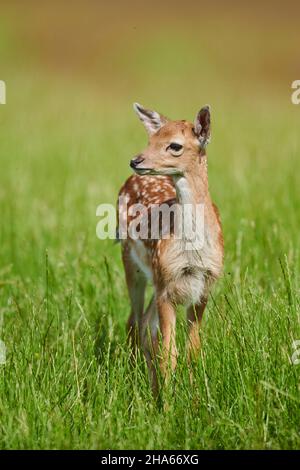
167 323
194 317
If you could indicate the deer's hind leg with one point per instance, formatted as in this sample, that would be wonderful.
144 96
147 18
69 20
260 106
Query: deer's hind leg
149 340
136 284
149 328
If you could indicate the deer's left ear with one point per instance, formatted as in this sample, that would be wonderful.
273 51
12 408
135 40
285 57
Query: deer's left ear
202 126
152 120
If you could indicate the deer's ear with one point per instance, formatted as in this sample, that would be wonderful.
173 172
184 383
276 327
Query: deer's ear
152 120
202 126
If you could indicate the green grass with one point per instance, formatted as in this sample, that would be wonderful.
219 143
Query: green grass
68 381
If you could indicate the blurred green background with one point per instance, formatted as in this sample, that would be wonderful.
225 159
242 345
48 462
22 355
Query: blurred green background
72 71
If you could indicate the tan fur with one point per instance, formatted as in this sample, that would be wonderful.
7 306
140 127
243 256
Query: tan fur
179 276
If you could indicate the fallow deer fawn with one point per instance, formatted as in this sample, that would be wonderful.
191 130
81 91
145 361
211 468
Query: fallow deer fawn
173 170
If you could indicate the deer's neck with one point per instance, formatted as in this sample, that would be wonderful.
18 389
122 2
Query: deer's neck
192 188
192 200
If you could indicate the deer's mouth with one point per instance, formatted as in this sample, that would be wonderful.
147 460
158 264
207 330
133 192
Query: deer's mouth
144 171
159 171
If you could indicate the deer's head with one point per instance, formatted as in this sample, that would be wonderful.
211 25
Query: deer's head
174 146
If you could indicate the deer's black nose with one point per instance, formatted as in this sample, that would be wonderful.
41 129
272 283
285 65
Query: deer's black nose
136 161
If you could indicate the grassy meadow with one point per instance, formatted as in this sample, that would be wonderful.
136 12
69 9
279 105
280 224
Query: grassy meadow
68 132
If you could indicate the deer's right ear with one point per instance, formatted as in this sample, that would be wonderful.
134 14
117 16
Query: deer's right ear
152 120
202 126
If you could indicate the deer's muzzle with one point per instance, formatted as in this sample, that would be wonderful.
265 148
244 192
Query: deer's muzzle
136 161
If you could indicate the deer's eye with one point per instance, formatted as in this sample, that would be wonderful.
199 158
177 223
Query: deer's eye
175 149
